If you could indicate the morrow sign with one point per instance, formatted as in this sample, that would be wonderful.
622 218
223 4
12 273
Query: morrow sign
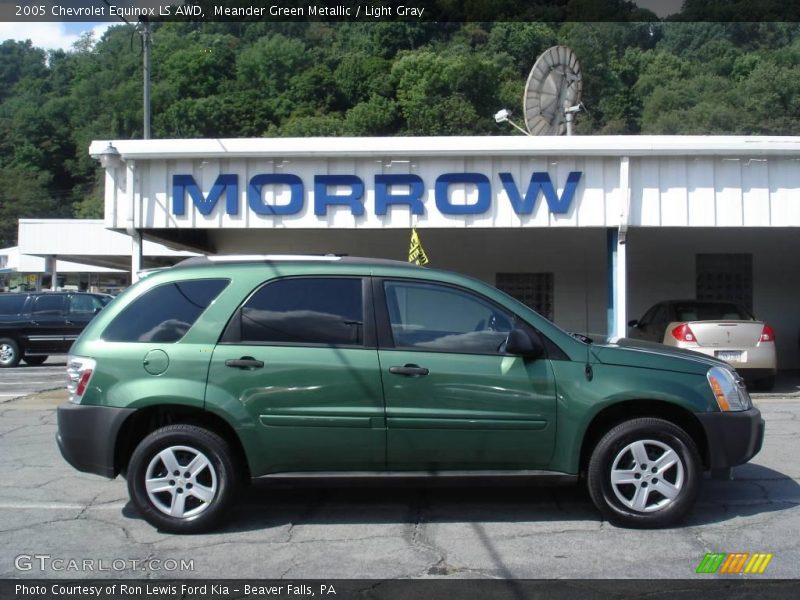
390 190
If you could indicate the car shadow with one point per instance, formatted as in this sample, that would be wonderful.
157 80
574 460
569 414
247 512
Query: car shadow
266 504
787 383
754 489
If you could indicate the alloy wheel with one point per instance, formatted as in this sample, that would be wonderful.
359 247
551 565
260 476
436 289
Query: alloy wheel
181 482
647 476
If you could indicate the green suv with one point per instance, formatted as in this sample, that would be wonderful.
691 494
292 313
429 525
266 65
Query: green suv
221 369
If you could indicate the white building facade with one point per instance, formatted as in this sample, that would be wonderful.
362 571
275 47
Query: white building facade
590 231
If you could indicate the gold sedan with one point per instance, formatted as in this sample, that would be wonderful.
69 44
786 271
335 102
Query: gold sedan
724 330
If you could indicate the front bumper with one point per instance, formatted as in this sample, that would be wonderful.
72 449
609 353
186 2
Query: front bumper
87 436
733 437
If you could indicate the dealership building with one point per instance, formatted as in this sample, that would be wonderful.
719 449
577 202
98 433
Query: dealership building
589 230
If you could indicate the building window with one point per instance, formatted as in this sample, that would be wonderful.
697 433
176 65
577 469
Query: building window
726 277
534 290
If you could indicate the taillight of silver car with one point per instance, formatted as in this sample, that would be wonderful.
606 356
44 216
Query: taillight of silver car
79 373
767 334
683 333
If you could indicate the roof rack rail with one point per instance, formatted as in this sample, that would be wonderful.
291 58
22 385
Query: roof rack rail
197 261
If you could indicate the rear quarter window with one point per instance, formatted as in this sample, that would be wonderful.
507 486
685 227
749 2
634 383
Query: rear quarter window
164 313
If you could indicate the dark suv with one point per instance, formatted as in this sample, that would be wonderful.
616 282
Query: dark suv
36 324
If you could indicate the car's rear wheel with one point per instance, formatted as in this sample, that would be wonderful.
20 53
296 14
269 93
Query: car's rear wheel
34 360
9 353
645 473
182 478
764 385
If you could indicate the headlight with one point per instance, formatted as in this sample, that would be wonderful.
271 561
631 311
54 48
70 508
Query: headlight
728 389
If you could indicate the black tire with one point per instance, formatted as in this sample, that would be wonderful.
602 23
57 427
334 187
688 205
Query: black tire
185 443
764 385
9 353
34 360
682 480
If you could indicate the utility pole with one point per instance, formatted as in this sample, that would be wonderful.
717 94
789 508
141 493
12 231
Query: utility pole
147 44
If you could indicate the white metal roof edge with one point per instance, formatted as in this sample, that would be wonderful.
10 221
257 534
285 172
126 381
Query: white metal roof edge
72 222
401 147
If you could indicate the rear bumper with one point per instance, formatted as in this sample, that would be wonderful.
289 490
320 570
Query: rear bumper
87 436
733 437
761 357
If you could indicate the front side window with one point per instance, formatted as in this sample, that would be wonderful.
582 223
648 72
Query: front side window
649 316
164 313
434 317
305 310
84 305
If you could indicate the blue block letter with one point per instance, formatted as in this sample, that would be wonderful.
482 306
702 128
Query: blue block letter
413 198
322 199
443 183
541 181
186 183
257 204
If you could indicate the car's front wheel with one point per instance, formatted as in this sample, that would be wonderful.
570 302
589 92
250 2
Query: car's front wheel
645 472
35 360
9 353
182 478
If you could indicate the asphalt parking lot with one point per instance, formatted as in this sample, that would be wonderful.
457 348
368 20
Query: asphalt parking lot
27 379
393 530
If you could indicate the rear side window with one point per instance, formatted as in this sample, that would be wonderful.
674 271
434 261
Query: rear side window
327 311
11 305
48 305
165 313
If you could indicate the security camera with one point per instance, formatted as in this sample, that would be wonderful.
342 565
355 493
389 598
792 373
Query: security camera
502 115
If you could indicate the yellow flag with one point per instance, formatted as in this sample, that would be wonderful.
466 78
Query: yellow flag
416 253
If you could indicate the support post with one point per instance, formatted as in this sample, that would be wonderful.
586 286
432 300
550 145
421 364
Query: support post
136 255
53 273
617 258
136 235
147 43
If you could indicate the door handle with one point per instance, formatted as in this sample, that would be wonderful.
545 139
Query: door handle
246 362
409 370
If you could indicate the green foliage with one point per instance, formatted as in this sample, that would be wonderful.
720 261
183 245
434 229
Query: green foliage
252 79
24 193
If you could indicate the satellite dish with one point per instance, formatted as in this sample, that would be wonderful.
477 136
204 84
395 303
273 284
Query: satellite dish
553 92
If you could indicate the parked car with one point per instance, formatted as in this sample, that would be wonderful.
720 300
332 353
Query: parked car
221 369
724 330
34 325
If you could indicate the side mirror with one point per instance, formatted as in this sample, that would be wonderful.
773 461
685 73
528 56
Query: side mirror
633 323
522 343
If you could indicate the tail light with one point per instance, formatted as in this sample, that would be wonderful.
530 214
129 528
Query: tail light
683 333
767 334
79 373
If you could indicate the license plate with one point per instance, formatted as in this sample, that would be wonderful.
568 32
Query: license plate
731 355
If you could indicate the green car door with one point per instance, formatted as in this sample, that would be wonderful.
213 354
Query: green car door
300 357
454 399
